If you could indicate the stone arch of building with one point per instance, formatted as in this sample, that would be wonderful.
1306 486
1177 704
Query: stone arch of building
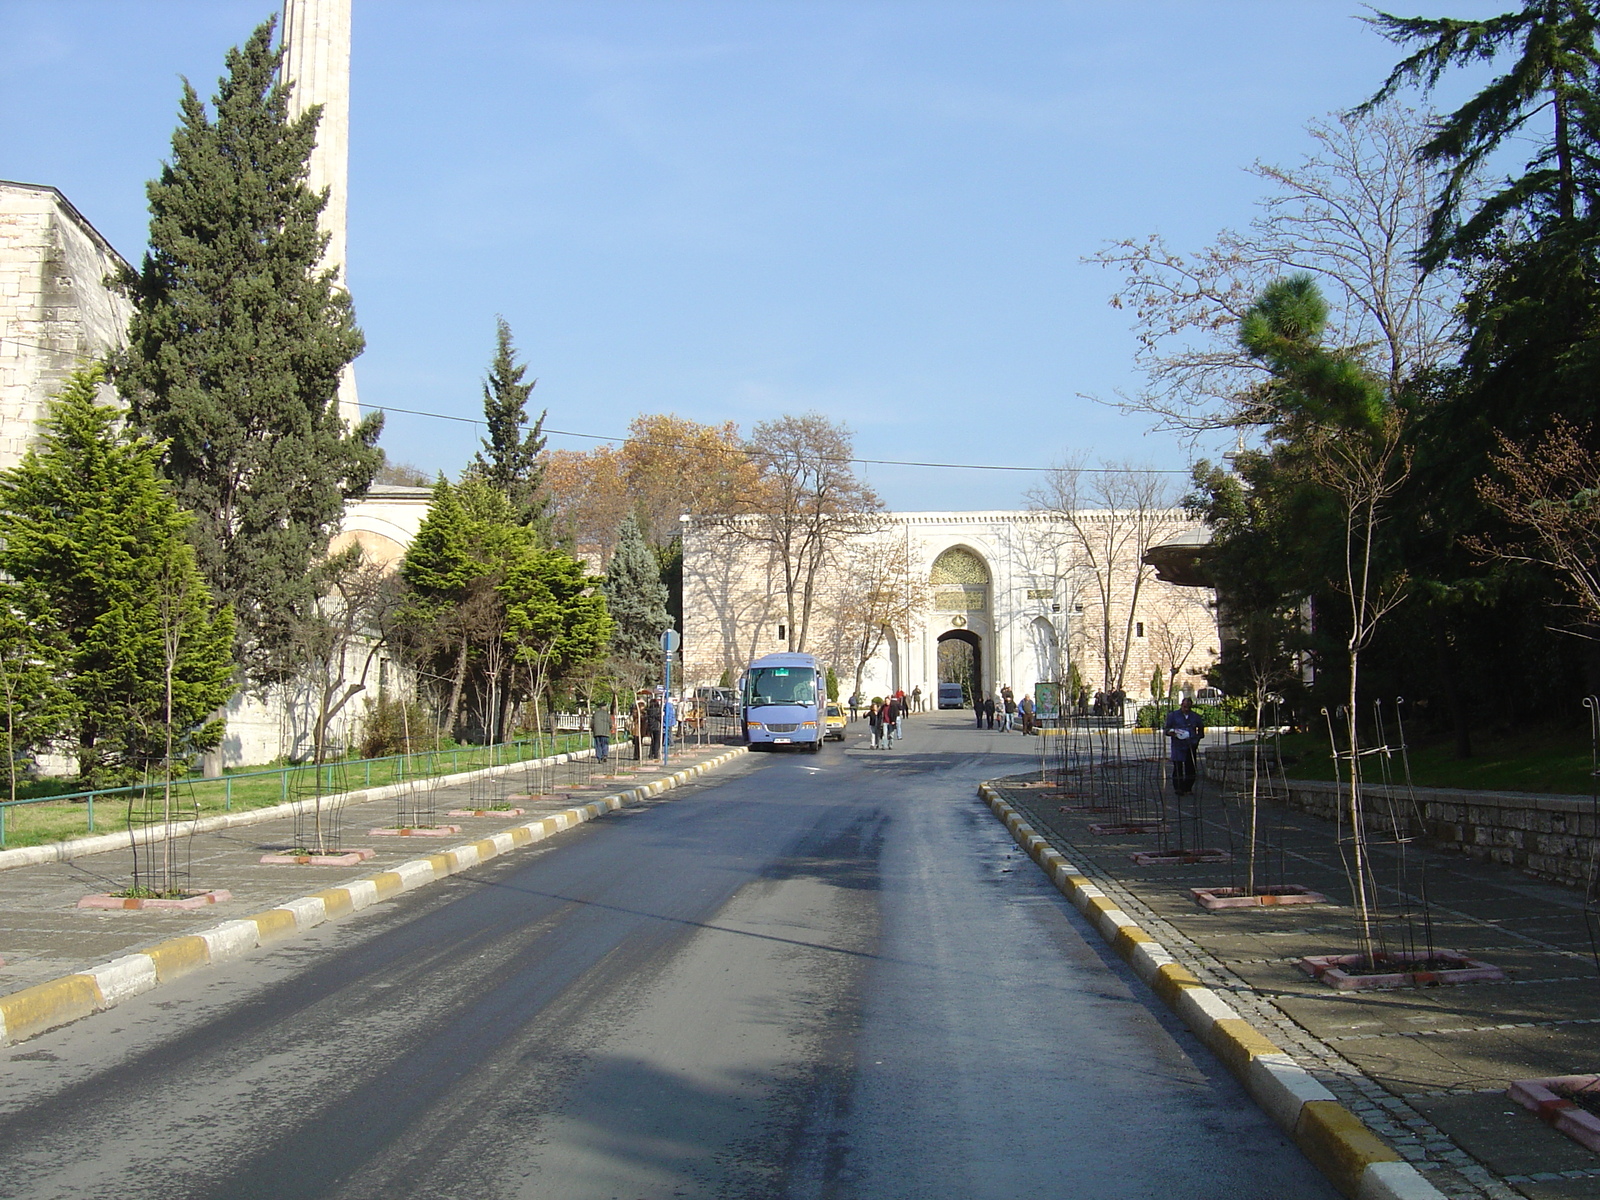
961 581
974 643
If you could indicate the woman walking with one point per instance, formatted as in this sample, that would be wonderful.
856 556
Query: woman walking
875 722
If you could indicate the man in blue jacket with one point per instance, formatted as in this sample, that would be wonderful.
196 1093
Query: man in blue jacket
1184 729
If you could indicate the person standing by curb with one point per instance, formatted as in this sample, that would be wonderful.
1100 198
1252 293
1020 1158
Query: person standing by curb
602 727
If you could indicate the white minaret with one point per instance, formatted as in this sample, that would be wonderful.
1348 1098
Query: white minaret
316 60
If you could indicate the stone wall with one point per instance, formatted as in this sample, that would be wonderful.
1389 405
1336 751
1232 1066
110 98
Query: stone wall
56 312
1040 601
1551 837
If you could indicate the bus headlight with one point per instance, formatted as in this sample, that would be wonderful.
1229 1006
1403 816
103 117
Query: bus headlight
808 725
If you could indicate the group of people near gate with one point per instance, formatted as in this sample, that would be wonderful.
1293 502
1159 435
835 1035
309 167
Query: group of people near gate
910 704
886 719
1005 712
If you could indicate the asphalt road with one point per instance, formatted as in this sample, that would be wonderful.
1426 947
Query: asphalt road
809 976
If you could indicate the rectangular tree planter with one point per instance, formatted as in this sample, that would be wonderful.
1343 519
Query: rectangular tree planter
1329 968
485 812
1551 1099
334 858
1212 899
417 831
193 901
1179 858
1131 827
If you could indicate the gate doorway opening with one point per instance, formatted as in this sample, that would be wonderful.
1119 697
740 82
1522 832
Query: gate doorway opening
961 661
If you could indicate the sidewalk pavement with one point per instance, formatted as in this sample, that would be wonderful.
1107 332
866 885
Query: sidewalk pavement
1426 1068
45 936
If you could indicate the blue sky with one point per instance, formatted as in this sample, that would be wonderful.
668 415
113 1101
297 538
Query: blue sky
730 211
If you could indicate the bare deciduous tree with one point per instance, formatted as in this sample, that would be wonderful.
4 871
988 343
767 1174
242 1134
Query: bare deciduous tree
1354 213
1172 627
808 505
1364 472
1109 518
881 592
343 635
1550 490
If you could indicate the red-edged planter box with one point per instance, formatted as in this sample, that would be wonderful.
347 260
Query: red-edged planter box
1212 899
334 858
1179 858
1131 827
196 900
1330 969
1551 1099
417 831
485 812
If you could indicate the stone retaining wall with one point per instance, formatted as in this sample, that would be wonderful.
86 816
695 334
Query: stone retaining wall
1552 837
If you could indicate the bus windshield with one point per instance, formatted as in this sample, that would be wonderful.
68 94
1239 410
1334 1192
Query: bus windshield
782 685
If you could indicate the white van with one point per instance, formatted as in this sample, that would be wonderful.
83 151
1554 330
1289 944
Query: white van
950 696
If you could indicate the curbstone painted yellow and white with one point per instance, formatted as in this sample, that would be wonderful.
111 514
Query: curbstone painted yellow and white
45 1006
1357 1161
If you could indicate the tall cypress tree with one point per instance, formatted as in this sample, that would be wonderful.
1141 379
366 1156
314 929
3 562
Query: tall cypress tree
236 346
512 464
635 596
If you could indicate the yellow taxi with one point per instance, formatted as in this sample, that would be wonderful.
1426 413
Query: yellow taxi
833 724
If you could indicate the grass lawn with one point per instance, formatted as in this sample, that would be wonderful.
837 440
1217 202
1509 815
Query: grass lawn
55 820
1534 762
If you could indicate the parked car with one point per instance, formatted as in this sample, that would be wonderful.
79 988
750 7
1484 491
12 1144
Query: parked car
716 701
833 724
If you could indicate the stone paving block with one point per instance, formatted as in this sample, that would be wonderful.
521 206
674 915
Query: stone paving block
1388 1055
1474 1122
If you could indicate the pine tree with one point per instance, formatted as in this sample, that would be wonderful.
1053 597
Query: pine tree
513 465
636 597
1556 60
235 351
87 522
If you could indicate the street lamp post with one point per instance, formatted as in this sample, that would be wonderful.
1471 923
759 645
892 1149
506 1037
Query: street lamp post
669 646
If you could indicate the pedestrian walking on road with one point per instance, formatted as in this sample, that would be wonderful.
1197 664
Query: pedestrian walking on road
855 704
977 708
897 714
916 698
1009 719
652 724
636 727
1184 728
988 712
1025 710
602 727
875 723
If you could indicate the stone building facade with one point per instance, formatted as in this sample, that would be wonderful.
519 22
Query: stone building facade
56 312
1025 593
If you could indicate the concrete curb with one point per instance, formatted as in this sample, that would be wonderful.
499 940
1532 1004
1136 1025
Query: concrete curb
55 1002
99 843
1357 1161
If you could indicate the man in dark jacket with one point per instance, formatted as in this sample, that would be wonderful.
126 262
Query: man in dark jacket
1184 729
602 726
652 725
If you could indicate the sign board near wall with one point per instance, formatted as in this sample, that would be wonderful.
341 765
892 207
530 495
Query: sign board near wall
1047 701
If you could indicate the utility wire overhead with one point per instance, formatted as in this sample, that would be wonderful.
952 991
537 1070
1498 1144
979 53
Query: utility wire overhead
875 462
600 437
